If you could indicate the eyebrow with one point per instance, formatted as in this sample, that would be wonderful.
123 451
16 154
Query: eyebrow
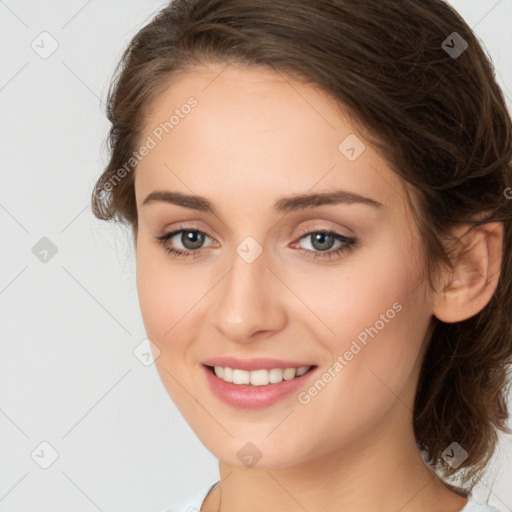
283 204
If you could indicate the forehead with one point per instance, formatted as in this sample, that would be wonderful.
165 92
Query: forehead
257 133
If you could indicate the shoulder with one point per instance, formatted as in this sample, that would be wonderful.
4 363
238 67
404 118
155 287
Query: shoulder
473 506
193 502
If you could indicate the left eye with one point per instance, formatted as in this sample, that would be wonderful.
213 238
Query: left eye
321 240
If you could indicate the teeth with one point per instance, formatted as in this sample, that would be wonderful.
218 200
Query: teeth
289 373
227 374
275 375
302 370
258 377
240 377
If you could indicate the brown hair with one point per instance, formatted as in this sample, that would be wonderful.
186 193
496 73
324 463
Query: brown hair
438 118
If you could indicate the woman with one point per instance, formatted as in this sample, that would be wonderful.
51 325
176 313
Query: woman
317 192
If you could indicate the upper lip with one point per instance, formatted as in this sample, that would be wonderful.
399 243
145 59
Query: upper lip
257 363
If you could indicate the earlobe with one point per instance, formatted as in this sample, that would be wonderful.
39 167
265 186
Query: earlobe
468 288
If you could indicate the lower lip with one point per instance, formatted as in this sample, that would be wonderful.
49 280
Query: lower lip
245 396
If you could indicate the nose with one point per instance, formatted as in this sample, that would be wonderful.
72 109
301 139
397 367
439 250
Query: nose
249 302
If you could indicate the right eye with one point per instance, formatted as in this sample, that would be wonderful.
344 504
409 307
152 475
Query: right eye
191 239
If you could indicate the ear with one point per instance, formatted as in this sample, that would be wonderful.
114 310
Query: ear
466 290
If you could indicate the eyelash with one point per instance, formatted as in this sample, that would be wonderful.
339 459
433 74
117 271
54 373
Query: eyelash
348 244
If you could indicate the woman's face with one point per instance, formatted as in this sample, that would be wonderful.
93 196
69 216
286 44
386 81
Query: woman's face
263 281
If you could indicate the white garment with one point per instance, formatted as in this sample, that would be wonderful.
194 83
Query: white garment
193 503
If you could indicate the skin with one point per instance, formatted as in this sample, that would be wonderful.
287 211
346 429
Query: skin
255 137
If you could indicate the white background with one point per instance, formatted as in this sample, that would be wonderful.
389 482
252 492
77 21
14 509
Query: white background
69 326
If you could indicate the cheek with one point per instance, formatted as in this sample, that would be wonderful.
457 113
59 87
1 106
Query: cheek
376 318
170 301
153 295
161 300
377 362
366 292
165 294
